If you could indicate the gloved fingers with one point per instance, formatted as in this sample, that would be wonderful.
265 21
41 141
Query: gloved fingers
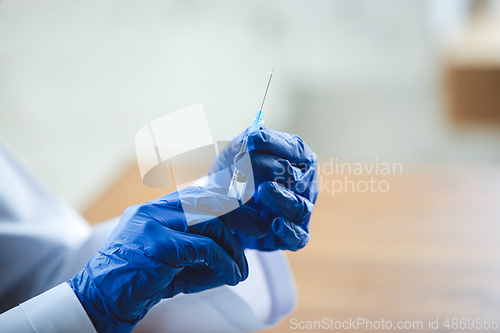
266 141
284 202
176 249
163 210
199 248
270 167
284 145
246 221
219 233
204 200
194 277
293 235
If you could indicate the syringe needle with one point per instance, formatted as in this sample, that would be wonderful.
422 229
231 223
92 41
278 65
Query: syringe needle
265 94
239 180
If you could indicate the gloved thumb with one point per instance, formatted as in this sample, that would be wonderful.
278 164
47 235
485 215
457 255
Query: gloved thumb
290 233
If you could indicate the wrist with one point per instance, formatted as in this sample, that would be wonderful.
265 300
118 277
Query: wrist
95 308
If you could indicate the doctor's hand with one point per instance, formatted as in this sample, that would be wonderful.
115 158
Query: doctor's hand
154 253
285 179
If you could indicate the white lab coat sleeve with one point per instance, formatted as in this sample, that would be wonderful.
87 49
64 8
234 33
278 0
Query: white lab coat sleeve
44 242
57 310
40 235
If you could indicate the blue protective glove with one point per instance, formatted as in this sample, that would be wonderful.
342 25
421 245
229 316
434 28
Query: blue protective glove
154 254
284 172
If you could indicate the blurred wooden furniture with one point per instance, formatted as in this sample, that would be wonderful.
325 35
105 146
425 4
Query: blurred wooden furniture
473 70
474 92
428 248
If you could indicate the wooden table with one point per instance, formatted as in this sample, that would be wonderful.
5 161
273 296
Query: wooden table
428 248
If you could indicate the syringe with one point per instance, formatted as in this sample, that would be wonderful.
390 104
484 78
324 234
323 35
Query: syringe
239 180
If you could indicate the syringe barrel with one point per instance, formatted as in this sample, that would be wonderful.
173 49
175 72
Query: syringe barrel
238 185
239 180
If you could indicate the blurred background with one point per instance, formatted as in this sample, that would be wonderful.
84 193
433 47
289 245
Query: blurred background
415 82
358 79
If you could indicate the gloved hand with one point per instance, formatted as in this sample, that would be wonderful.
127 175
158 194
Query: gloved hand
153 253
284 173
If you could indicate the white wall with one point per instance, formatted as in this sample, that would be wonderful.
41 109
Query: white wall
77 83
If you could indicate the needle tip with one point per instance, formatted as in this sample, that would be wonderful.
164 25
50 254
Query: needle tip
271 71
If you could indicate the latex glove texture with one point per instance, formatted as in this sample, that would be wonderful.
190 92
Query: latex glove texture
153 253
284 173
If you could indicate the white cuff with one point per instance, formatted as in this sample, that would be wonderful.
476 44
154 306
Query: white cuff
56 311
